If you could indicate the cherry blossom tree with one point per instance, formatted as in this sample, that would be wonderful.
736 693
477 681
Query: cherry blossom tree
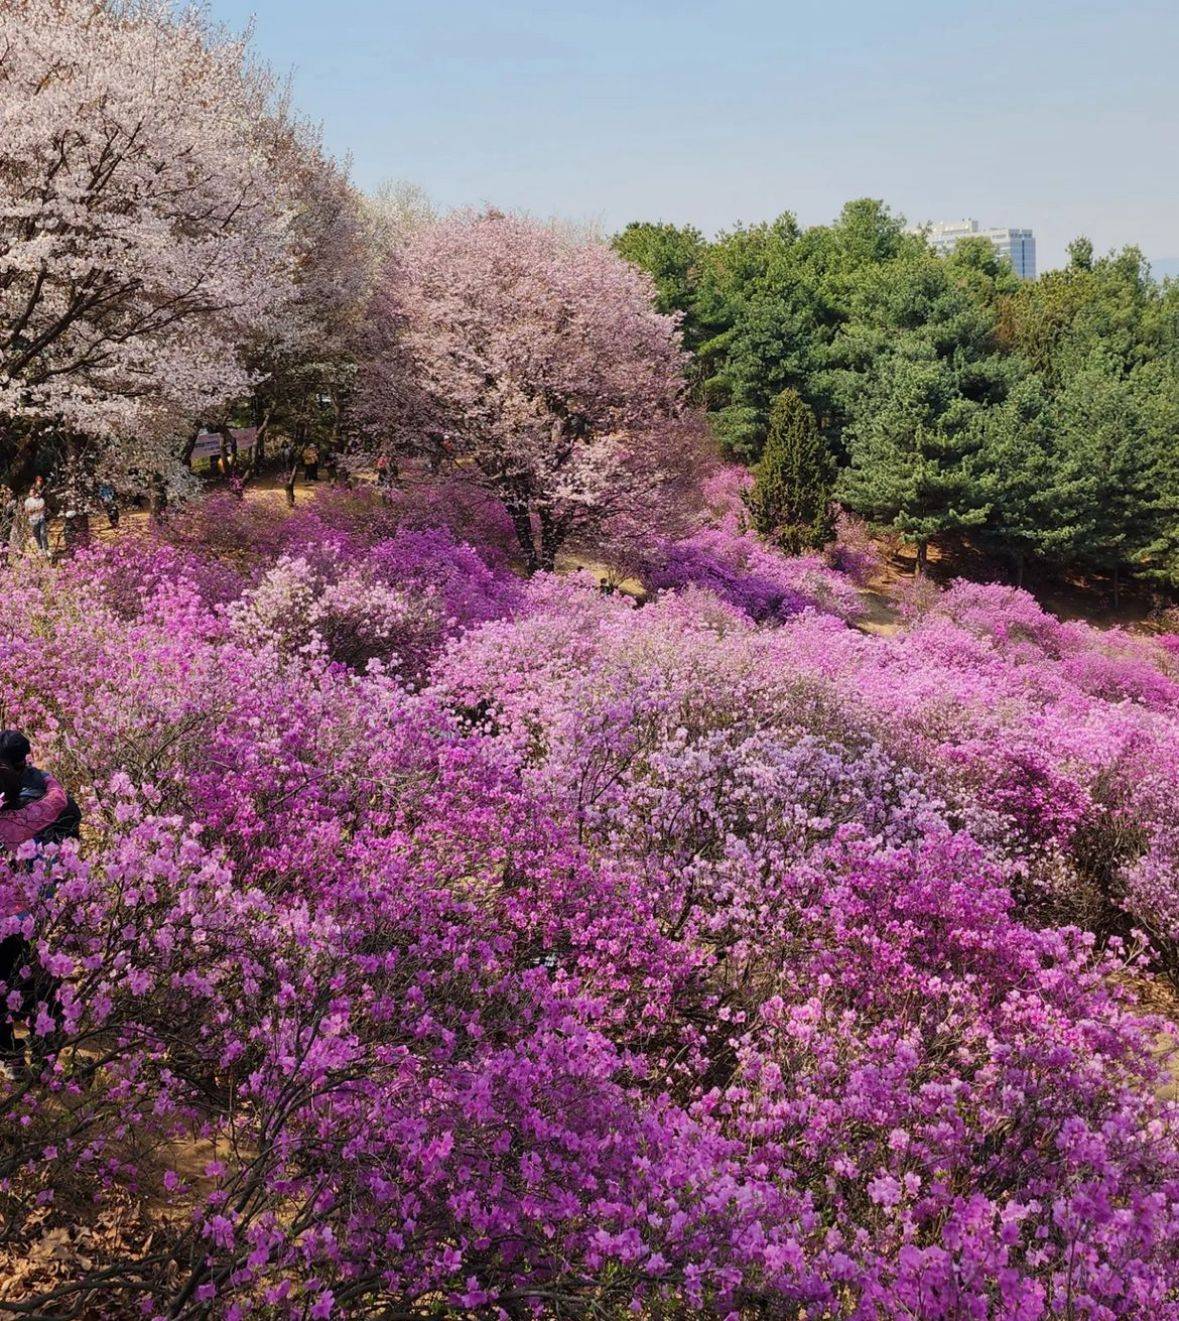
539 365
145 229
303 358
397 208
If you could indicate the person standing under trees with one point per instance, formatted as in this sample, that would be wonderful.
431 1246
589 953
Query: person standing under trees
38 515
311 461
109 500
388 472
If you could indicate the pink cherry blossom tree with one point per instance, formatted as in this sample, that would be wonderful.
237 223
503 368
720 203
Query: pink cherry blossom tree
144 228
539 365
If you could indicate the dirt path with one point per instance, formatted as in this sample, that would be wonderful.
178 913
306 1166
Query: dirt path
266 490
880 616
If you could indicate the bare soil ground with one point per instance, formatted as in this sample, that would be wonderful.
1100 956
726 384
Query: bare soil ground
1068 596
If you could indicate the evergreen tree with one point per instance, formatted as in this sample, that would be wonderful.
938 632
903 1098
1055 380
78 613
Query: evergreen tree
1039 414
779 299
1040 505
913 447
1116 431
793 481
671 255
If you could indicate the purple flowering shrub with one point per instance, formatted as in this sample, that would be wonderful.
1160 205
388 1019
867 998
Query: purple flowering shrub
326 581
443 943
724 556
761 582
756 579
132 571
442 504
854 551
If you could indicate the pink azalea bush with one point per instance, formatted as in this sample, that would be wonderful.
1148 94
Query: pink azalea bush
725 556
740 569
441 941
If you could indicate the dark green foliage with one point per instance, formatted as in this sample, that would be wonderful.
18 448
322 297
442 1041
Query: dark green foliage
1040 418
790 500
1039 505
672 255
912 453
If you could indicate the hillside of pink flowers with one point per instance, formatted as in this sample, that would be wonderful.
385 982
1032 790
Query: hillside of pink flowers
445 942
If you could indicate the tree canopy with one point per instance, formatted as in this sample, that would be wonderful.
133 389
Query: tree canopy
1036 417
790 500
170 235
545 370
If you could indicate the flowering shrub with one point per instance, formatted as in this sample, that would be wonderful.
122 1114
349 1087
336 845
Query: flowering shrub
351 617
854 551
763 584
724 556
700 957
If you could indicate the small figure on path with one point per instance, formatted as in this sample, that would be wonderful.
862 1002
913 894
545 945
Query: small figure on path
387 472
110 503
38 515
311 461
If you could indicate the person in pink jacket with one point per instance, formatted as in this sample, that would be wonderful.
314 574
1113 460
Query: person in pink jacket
20 824
17 826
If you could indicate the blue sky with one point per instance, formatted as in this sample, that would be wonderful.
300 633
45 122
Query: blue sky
1064 117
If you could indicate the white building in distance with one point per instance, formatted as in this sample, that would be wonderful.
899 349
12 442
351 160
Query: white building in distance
1017 245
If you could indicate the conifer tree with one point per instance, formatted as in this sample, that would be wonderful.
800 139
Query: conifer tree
790 502
913 454
1040 500
1117 431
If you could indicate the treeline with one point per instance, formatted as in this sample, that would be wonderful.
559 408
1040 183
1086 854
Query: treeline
1040 418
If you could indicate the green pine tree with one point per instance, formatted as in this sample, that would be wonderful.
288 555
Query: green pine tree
790 501
1117 431
912 454
1040 500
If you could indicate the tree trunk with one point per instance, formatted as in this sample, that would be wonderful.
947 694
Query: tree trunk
1117 585
297 443
228 450
17 534
262 422
922 559
522 522
550 541
159 500
1018 568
